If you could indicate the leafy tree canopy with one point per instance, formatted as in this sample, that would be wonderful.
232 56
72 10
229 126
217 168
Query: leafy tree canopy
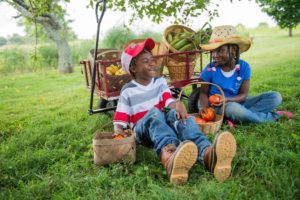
181 11
285 12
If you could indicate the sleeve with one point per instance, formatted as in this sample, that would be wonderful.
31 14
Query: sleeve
247 71
206 75
167 97
122 114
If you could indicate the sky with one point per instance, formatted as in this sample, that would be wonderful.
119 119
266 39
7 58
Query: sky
245 12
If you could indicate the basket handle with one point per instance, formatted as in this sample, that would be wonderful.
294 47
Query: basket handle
109 51
207 83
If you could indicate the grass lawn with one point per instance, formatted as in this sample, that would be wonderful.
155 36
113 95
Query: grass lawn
46 139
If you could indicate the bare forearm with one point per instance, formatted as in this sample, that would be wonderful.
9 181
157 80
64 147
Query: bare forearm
172 105
239 98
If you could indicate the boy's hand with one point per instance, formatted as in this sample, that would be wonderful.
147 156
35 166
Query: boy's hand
181 111
202 110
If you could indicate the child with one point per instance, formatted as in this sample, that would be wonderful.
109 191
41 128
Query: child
233 74
175 137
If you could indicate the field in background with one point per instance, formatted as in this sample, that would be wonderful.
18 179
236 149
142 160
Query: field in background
46 138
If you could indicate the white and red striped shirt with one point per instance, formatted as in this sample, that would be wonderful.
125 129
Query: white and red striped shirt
136 100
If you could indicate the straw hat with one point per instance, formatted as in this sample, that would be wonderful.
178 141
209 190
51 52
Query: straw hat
226 35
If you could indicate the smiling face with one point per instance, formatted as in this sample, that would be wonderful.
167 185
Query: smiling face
222 56
144 68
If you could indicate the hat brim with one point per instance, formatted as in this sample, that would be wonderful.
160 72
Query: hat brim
133 50
244 44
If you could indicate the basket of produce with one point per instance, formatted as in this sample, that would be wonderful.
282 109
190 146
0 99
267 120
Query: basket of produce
179 38
178 70
115 77
158 49
209 122
110 148
101 55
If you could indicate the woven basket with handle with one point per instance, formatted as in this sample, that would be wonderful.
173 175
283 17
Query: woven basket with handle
215 125
176 29
177 70
108 150
113 82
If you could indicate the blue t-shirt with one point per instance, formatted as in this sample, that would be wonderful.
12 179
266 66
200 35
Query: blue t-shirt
230 85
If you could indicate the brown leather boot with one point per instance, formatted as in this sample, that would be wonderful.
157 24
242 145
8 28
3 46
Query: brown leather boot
217 158
178 161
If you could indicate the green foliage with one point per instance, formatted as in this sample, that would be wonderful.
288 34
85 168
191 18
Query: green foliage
46 139
285 12
117 37
16 39
180 11
3 41
263 25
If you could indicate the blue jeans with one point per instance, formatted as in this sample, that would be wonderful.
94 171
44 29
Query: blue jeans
158 129
255 109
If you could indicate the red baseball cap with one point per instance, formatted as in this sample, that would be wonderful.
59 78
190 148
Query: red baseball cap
133 50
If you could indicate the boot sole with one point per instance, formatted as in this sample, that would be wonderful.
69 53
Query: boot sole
184 159
225 151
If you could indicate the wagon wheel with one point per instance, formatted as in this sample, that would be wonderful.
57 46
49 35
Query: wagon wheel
103 103
193 101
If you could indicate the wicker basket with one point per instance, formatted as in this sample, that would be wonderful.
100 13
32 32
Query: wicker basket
176 29
177 70
214 126
158 49
101 55
108 150
112 82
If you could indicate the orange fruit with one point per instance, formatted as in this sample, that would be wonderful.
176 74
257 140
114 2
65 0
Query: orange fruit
214 99
209 115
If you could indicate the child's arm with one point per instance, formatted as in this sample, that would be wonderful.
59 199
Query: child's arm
180 109
118 128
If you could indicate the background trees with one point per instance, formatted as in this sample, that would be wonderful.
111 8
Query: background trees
285 12
49 14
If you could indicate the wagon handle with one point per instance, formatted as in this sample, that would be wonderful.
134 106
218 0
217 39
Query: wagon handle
99 20
207 83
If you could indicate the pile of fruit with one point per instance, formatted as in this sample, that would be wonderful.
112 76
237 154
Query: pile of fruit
209 114
115 70
126 133
206 116
186 40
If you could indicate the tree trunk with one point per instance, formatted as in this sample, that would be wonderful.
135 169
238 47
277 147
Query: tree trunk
64 52
54 30
290 32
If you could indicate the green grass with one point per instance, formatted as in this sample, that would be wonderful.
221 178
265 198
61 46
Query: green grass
46 139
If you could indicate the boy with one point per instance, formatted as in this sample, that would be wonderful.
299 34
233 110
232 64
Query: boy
174 136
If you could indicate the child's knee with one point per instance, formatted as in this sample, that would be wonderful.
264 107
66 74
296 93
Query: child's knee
233 110
277 98
155 113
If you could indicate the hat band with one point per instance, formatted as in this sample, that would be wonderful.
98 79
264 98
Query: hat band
216 40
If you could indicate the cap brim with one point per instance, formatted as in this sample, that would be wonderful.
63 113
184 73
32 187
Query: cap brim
132 51
244 44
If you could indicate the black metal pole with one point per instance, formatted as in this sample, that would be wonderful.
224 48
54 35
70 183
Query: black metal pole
99 20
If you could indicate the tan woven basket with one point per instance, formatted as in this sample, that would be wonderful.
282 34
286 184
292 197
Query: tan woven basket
113 82
158 49
177 70
214 126
108 150
102 55
176 29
